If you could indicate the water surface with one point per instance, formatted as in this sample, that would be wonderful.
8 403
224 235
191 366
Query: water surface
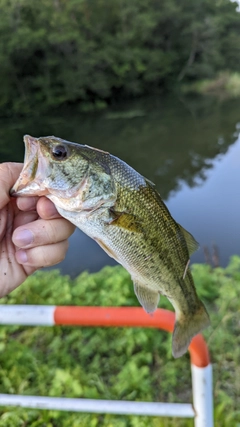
190 148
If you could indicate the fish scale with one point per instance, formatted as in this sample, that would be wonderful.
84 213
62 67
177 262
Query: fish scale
123 212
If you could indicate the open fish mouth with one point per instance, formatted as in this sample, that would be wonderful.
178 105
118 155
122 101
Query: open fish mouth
31 181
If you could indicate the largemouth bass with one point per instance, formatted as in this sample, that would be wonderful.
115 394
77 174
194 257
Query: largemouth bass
122 211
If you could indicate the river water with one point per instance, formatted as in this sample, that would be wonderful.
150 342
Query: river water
190 148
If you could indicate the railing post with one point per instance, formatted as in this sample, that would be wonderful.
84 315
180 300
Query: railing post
201 369
202 395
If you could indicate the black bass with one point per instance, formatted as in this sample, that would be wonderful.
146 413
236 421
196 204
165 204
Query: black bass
122 211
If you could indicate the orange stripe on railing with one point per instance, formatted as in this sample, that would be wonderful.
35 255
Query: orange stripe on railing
131 317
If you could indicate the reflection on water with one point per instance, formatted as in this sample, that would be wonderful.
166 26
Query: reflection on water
211 211
187 147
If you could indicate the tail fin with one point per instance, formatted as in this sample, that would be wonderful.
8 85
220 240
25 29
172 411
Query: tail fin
186 327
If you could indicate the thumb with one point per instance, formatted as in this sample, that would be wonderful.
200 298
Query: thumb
9 172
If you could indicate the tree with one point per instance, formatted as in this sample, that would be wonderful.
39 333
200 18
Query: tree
91 51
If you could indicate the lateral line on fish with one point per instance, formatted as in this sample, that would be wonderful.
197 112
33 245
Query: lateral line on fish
185 271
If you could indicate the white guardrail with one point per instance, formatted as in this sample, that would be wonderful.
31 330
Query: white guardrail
35 315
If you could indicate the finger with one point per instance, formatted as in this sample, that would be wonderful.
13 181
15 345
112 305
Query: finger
9 172
24 218
46 209
42 232
42 256
27 203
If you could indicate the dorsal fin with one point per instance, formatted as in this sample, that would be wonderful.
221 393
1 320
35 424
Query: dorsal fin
192 244
150 183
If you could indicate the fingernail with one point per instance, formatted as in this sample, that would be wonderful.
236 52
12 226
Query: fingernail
23 238
21 256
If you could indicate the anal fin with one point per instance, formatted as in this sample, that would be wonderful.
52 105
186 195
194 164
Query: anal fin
148 298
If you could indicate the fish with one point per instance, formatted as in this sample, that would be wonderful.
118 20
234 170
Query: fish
124 213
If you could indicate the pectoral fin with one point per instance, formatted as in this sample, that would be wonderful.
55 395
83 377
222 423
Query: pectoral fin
125 220
148 298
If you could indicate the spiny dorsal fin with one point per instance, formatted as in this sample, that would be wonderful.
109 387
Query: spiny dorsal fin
148 298
192 244
150 183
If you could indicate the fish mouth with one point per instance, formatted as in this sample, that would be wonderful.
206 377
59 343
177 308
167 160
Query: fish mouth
30 182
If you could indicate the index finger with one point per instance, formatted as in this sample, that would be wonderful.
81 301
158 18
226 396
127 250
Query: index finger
9 173
27 203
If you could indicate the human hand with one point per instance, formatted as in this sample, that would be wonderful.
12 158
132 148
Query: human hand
32 233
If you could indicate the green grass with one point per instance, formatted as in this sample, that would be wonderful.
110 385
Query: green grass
224 85
117 363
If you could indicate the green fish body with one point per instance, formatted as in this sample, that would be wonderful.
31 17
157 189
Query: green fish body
122 211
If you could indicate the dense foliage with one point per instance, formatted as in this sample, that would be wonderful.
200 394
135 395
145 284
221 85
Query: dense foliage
93 51
116 363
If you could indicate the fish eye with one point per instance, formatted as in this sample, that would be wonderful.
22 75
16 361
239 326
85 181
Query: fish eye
59 152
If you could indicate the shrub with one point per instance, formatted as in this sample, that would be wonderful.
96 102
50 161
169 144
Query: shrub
116 363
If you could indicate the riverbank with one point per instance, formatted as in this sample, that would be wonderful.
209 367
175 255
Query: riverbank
119 363
223 85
